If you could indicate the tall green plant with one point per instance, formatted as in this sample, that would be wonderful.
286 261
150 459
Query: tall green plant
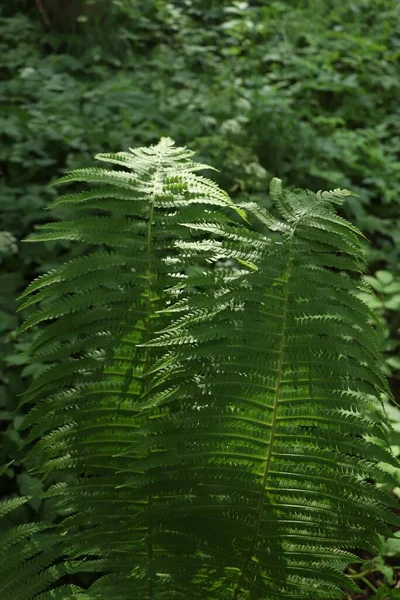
212 426
279 380
101 309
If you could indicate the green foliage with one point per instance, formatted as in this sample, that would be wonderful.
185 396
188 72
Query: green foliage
219 431
303 90
279 360
386 303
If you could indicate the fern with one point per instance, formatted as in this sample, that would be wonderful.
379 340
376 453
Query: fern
279 381
100 310
214 425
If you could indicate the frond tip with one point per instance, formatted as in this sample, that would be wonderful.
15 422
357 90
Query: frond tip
336 196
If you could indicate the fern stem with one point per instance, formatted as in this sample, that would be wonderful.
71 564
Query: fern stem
268 458
43 13
147 340
363 578
356 575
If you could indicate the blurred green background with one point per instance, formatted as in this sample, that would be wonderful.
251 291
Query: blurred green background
305 90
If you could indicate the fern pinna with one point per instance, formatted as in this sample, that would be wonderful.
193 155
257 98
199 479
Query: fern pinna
213 427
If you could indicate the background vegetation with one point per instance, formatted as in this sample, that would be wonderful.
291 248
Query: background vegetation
305 90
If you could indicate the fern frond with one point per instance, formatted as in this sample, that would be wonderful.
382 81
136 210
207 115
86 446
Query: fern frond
279 382
94 395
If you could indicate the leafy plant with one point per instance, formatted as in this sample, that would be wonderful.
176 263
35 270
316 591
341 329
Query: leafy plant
386 303
283 399
216 428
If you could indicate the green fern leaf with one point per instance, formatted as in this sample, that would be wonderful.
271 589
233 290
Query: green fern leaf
95 393
279 382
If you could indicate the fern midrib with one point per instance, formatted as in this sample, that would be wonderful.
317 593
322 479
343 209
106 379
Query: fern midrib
148 336
274 424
